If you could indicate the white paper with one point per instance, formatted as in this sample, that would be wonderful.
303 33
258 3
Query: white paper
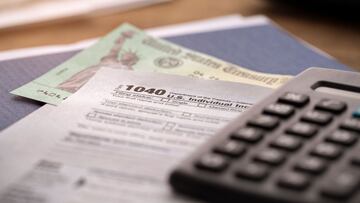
117 138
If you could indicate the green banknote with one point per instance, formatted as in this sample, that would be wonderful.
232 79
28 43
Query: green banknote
128 47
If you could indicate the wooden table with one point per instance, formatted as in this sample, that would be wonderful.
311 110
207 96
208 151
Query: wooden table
339 38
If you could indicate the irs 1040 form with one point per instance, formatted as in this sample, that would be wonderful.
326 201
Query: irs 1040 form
117 138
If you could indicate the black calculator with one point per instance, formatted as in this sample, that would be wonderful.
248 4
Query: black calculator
299 145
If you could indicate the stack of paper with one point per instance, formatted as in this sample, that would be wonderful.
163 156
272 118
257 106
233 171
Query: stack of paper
128 110
21 12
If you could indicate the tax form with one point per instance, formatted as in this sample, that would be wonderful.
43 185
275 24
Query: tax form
117 138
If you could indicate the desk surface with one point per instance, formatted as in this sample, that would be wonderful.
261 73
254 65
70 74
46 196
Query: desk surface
339 38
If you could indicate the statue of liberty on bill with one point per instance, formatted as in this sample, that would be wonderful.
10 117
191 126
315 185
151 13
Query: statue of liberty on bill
127 60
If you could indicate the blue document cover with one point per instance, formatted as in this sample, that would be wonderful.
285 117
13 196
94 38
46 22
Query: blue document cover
262 48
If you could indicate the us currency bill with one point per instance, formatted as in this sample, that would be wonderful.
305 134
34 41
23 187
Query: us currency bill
129 48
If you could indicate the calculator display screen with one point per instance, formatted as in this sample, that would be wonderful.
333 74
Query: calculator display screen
337 89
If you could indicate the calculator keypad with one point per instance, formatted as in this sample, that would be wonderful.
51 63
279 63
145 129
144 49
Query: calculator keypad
316 162
296 144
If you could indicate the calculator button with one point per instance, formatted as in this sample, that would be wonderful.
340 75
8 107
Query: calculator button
295 99
265 122
342 137
287 143
281 110
342 186
311 165
317 117
213 162
351 124
356 113
248 134
231 148
294 180
331 106
270 156
302 129
253 171
327 151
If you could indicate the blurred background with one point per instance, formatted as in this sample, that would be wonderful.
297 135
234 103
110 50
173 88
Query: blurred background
332 26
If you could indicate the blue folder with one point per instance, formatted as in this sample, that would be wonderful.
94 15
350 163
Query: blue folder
262 48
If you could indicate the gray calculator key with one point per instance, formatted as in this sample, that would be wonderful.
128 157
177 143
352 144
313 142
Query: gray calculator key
342 185
248 134
295 99
302 129
327 151
294 180
312 165
351 124
212 162
271 157
253 171
264 122
281 110
342 137
332 106
286 142
231 148
317 117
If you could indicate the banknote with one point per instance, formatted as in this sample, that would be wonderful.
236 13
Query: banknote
130 48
